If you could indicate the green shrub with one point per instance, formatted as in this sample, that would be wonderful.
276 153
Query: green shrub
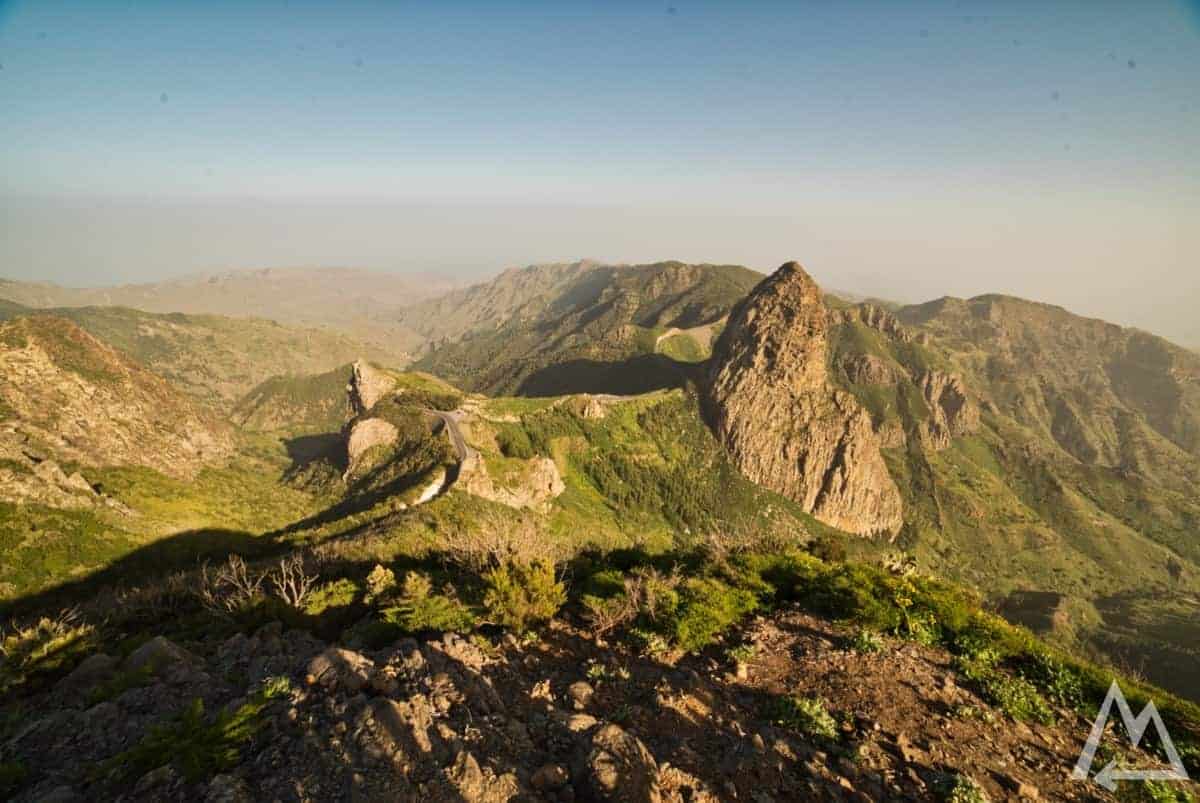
335 594
195 747
958 788
785 576
866 641
381 582
829 548
806 715
1016 696
419 609
1153 792
1061 683
706 608
514 441
519 597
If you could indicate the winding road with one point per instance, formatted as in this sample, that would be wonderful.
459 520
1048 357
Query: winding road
450 420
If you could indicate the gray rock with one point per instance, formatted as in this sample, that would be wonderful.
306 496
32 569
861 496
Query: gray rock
157 654
342 668
228 789
618 767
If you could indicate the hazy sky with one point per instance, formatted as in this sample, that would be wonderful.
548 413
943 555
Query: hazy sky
905 149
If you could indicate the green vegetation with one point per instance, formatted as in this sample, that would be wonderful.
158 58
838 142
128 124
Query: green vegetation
197 746
518 597
585 332
419 609
706 609
806 715
298 404
218 359
867 642
683 348
959 788
47 647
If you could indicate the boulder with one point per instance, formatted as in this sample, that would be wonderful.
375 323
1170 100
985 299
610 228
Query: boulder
617 767
341 668
156 655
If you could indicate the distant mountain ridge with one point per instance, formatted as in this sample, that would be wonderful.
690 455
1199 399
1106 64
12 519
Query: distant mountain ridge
357 301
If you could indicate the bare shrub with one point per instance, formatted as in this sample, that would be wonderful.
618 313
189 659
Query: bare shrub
228 589
725 539
497 539
291 581
154 600
647 591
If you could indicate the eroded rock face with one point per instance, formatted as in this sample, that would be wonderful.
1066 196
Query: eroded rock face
787 428
365 435
367 386
953 413
867 369
538 484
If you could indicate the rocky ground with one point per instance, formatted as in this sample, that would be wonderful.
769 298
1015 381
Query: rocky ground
561 718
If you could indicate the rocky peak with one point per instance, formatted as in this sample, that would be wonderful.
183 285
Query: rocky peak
368 385
786 427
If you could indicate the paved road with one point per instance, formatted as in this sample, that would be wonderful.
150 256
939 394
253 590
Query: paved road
450 420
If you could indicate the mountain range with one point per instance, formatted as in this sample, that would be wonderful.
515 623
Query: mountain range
628 420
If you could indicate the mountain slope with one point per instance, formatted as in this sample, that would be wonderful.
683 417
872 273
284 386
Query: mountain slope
63 388
218 359
1047 460
581 327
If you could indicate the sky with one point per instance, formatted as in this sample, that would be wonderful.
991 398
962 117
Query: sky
900 149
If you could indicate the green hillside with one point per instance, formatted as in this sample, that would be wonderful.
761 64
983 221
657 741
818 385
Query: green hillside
591 328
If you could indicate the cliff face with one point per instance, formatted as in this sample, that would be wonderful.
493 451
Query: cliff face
786 427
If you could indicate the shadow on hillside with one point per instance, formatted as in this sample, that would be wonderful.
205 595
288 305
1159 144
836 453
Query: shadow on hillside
184 550
307 449
642 374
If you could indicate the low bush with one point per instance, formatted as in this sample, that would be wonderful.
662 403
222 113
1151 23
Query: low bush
866 642
521 596
381 582
705 609
334 594
958 788
48 646
806 715
419 609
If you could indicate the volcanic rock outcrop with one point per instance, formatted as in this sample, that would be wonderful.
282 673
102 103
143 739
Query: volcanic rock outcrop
786 427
